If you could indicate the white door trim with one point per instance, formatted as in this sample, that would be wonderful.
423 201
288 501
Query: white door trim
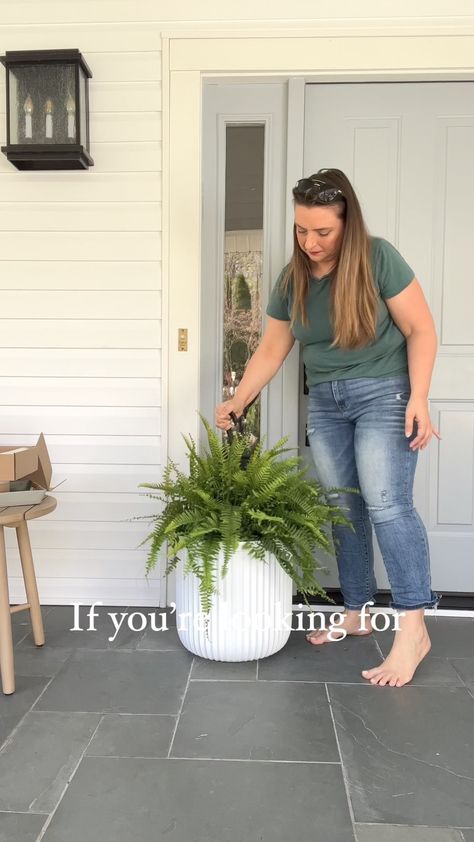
414 53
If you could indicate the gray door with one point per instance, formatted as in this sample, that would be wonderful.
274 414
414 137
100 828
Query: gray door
407 147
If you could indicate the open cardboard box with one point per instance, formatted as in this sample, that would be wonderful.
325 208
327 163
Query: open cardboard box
25 474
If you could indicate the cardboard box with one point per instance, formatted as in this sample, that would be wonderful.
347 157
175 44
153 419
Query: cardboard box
25 474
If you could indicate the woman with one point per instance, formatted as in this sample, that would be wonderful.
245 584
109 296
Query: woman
369 345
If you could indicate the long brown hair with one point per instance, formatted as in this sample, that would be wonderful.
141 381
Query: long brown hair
353 296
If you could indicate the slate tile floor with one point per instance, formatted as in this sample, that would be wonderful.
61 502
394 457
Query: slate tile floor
132 739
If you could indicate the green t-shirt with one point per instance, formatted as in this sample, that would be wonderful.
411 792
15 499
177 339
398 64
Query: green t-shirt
384 356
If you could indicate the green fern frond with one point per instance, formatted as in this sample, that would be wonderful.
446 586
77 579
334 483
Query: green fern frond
268 507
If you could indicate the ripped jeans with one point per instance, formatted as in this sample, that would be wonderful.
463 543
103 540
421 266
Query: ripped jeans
356 432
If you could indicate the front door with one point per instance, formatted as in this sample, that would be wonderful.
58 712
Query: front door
407 148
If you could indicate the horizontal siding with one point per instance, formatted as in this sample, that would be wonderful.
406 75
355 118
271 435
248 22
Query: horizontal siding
54 11
19 422
90 479
111 128
126 38
83 391
75 362
112 449
77 304
81 245
126 157
102 450
76 333
118 96
132 156
114 478
79 216
118 126
88 274
114 562
134 67
80 322
120 591
80 187
87 535
114 508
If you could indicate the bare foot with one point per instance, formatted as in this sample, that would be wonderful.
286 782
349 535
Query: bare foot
353 624
412 643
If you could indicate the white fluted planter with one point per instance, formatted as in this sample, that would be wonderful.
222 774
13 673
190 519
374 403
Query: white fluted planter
250 616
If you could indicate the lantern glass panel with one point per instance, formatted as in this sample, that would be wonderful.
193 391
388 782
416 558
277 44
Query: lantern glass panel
42 103
83 102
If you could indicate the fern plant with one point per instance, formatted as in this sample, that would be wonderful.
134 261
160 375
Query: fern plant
235 493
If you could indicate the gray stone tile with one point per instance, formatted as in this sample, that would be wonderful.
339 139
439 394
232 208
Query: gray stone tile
465 668
19 632
451 637
22 618
256 721
119 682
161 640
37 764
160 618
19 616
201 800
165 635
344 660
407 753
133 735
14 706
341 660
21 623
164 616
432 672
39 660
59 629
20 827
170 614
223 670
397 833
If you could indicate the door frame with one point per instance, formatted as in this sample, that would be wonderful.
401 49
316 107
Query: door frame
189 56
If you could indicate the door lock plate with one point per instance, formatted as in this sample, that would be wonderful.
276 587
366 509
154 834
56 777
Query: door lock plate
182 339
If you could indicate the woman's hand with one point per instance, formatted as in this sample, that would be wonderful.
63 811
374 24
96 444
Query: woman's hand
223 410
417 410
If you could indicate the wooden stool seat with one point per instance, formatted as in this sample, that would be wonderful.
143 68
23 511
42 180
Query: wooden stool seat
18 517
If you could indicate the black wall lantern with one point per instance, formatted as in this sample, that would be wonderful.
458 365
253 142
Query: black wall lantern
47 110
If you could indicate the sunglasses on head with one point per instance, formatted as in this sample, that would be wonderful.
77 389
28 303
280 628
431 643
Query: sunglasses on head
317 189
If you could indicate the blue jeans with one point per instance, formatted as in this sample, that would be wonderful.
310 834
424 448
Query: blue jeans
356 432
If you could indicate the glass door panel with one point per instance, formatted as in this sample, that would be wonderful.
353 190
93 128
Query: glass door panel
243 257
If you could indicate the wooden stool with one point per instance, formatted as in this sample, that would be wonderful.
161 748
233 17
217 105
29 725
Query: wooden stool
18 516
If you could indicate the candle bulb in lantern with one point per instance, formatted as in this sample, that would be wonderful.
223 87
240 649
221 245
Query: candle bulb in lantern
71 119
28 109
49 118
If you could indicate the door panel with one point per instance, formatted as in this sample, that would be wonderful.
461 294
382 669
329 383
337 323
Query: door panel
407 148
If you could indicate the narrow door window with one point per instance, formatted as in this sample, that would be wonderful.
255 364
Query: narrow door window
243 257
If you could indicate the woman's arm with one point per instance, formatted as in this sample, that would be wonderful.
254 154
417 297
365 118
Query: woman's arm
274 347
410 312
421 353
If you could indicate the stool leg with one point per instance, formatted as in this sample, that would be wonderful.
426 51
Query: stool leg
6 639
29 577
